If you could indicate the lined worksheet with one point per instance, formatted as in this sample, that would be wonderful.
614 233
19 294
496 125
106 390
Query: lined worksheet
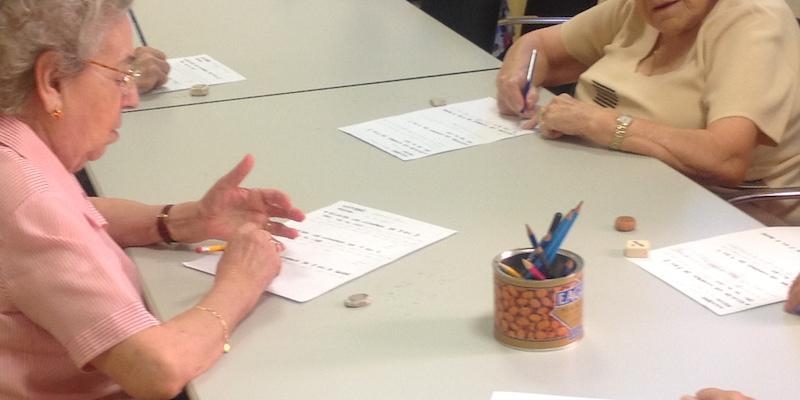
731 272
439 129
201 69
339 243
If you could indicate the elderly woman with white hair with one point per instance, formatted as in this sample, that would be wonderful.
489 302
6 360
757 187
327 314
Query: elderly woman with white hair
73 324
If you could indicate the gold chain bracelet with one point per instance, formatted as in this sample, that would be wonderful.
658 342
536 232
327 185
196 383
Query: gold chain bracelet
226 347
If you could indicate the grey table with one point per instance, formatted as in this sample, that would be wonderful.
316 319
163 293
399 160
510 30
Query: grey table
283 46
428 333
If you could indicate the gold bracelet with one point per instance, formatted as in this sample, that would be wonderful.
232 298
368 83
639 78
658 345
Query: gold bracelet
226 347
623 121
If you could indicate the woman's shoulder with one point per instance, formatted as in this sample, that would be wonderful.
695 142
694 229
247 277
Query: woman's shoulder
605 21
619 9
766 13
739 25
780 6
26 166
20 180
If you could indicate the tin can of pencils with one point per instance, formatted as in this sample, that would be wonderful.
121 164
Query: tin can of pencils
538 314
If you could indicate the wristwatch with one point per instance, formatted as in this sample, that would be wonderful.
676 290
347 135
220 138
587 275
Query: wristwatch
623 122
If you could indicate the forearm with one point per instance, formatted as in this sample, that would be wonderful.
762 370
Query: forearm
131 223
554 66
702 154
168 356
719 154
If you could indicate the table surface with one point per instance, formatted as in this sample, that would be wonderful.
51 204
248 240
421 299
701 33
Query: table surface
290 46
428 333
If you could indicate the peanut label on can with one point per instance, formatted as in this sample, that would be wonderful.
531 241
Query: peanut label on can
539 318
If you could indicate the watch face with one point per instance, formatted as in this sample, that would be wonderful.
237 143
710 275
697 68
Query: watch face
624 119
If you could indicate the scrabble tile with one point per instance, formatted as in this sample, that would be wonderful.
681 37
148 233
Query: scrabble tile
637 248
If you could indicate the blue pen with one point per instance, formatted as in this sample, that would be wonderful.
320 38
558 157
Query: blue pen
561 233
541 263
554 223
531 236
528 80
545 242
138 28
536 257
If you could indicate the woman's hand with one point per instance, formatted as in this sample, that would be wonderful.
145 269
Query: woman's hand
566 115
793 302
511 81
251 260
226 206
716 394
153 66
554 66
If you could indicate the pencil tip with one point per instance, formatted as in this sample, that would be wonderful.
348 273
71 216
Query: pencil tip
527 263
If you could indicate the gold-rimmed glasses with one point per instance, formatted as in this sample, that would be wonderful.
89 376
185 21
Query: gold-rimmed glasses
128 76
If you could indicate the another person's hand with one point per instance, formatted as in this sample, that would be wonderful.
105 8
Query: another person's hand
511 81
566 115
793 302
153 66
227 206
716 394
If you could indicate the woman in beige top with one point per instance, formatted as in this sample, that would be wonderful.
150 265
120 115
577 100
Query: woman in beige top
707 86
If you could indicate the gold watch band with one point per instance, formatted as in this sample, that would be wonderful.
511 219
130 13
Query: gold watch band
623 122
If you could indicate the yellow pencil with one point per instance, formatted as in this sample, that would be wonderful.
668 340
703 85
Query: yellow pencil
210 249
510 271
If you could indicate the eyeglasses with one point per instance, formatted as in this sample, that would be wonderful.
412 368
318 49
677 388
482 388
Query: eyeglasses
128 76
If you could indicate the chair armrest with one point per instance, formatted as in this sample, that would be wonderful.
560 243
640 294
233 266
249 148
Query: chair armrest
747 195
531 20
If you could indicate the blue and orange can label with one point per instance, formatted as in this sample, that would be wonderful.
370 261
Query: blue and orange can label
538 314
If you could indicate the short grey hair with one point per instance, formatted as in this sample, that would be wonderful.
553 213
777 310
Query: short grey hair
28 28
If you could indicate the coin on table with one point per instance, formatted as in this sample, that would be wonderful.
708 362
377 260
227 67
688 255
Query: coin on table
357 300
199 89
438 102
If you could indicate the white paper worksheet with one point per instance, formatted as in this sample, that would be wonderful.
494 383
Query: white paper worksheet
339 243
731 272
202 69
436 130
533 396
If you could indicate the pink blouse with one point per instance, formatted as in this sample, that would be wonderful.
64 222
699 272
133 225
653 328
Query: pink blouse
67 291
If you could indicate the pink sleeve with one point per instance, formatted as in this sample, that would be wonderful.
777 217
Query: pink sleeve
71 279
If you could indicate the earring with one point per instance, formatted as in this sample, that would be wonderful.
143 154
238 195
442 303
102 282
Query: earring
57 113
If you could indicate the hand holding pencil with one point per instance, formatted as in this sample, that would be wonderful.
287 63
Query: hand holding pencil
250 262
516 84
528 83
